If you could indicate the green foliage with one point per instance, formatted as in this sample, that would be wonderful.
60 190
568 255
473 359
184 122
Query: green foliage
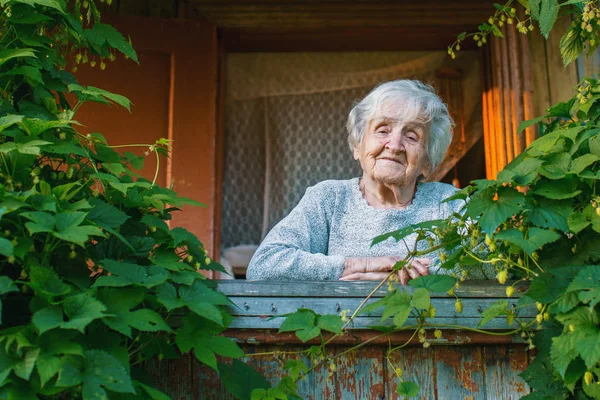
539 222
90 270
308 325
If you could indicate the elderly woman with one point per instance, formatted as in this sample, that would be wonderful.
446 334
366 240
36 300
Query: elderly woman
399 133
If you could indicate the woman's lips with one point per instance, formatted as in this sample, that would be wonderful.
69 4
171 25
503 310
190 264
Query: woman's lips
390 159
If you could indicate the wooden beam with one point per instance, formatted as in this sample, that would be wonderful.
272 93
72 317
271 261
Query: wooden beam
474 288
275 39
327 14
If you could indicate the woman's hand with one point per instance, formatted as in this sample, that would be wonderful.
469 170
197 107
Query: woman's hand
378 268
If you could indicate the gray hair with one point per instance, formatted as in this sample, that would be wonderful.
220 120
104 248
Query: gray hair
418 99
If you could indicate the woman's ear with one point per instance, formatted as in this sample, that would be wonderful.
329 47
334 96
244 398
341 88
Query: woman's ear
426 170
356 152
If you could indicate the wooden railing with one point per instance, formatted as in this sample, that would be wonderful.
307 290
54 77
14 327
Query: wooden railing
461 364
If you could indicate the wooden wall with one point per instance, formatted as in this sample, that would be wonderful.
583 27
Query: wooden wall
279 25
552 82
477 372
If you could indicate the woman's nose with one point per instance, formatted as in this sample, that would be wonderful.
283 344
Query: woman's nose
395 142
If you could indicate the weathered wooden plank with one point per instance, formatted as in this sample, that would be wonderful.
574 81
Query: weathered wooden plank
560 89
273 306
459 372
232 288
539 73
373 338
313 386
174 377
349 14
417 366
243 322
360 375
503 364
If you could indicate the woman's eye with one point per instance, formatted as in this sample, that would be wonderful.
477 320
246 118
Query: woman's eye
412 136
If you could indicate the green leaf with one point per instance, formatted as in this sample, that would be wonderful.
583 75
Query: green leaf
330 323
306 334
548 14
34 126
435 283
574 372
79 234
47 318
407 389
295 368
587 278
152 393
548 286
550 214
577 222
69 219
123 274
509 202
401 317
495 310
9 120
8 54
118 304
421 299
564 303
97 94
115 40
588 346
557 190
168 297
225 347
24 367
525 171
571 45
156 222
537 238
556 165
7 285
136 162
581 163
47 367
240 379
148 320
82 309
103 371
46 282
563 351
106 215
64 148
594 143
30 72
168 259
302 322
41 221
526 124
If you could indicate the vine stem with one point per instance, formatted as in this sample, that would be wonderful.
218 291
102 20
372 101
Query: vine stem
365 300
390 351
157 168
473 329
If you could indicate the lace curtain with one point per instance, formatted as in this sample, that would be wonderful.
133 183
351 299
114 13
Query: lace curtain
285 125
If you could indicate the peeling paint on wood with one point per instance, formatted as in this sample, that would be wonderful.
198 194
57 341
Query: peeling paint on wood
418 366
360 374
172 376
459 372
502 366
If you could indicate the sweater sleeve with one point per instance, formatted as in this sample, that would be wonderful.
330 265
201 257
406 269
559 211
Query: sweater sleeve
296 248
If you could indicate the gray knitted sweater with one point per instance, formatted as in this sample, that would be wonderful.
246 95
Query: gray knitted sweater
333 221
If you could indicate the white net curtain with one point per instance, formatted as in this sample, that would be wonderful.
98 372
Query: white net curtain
285 125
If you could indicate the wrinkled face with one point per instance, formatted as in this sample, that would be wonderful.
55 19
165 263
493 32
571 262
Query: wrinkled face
394 148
